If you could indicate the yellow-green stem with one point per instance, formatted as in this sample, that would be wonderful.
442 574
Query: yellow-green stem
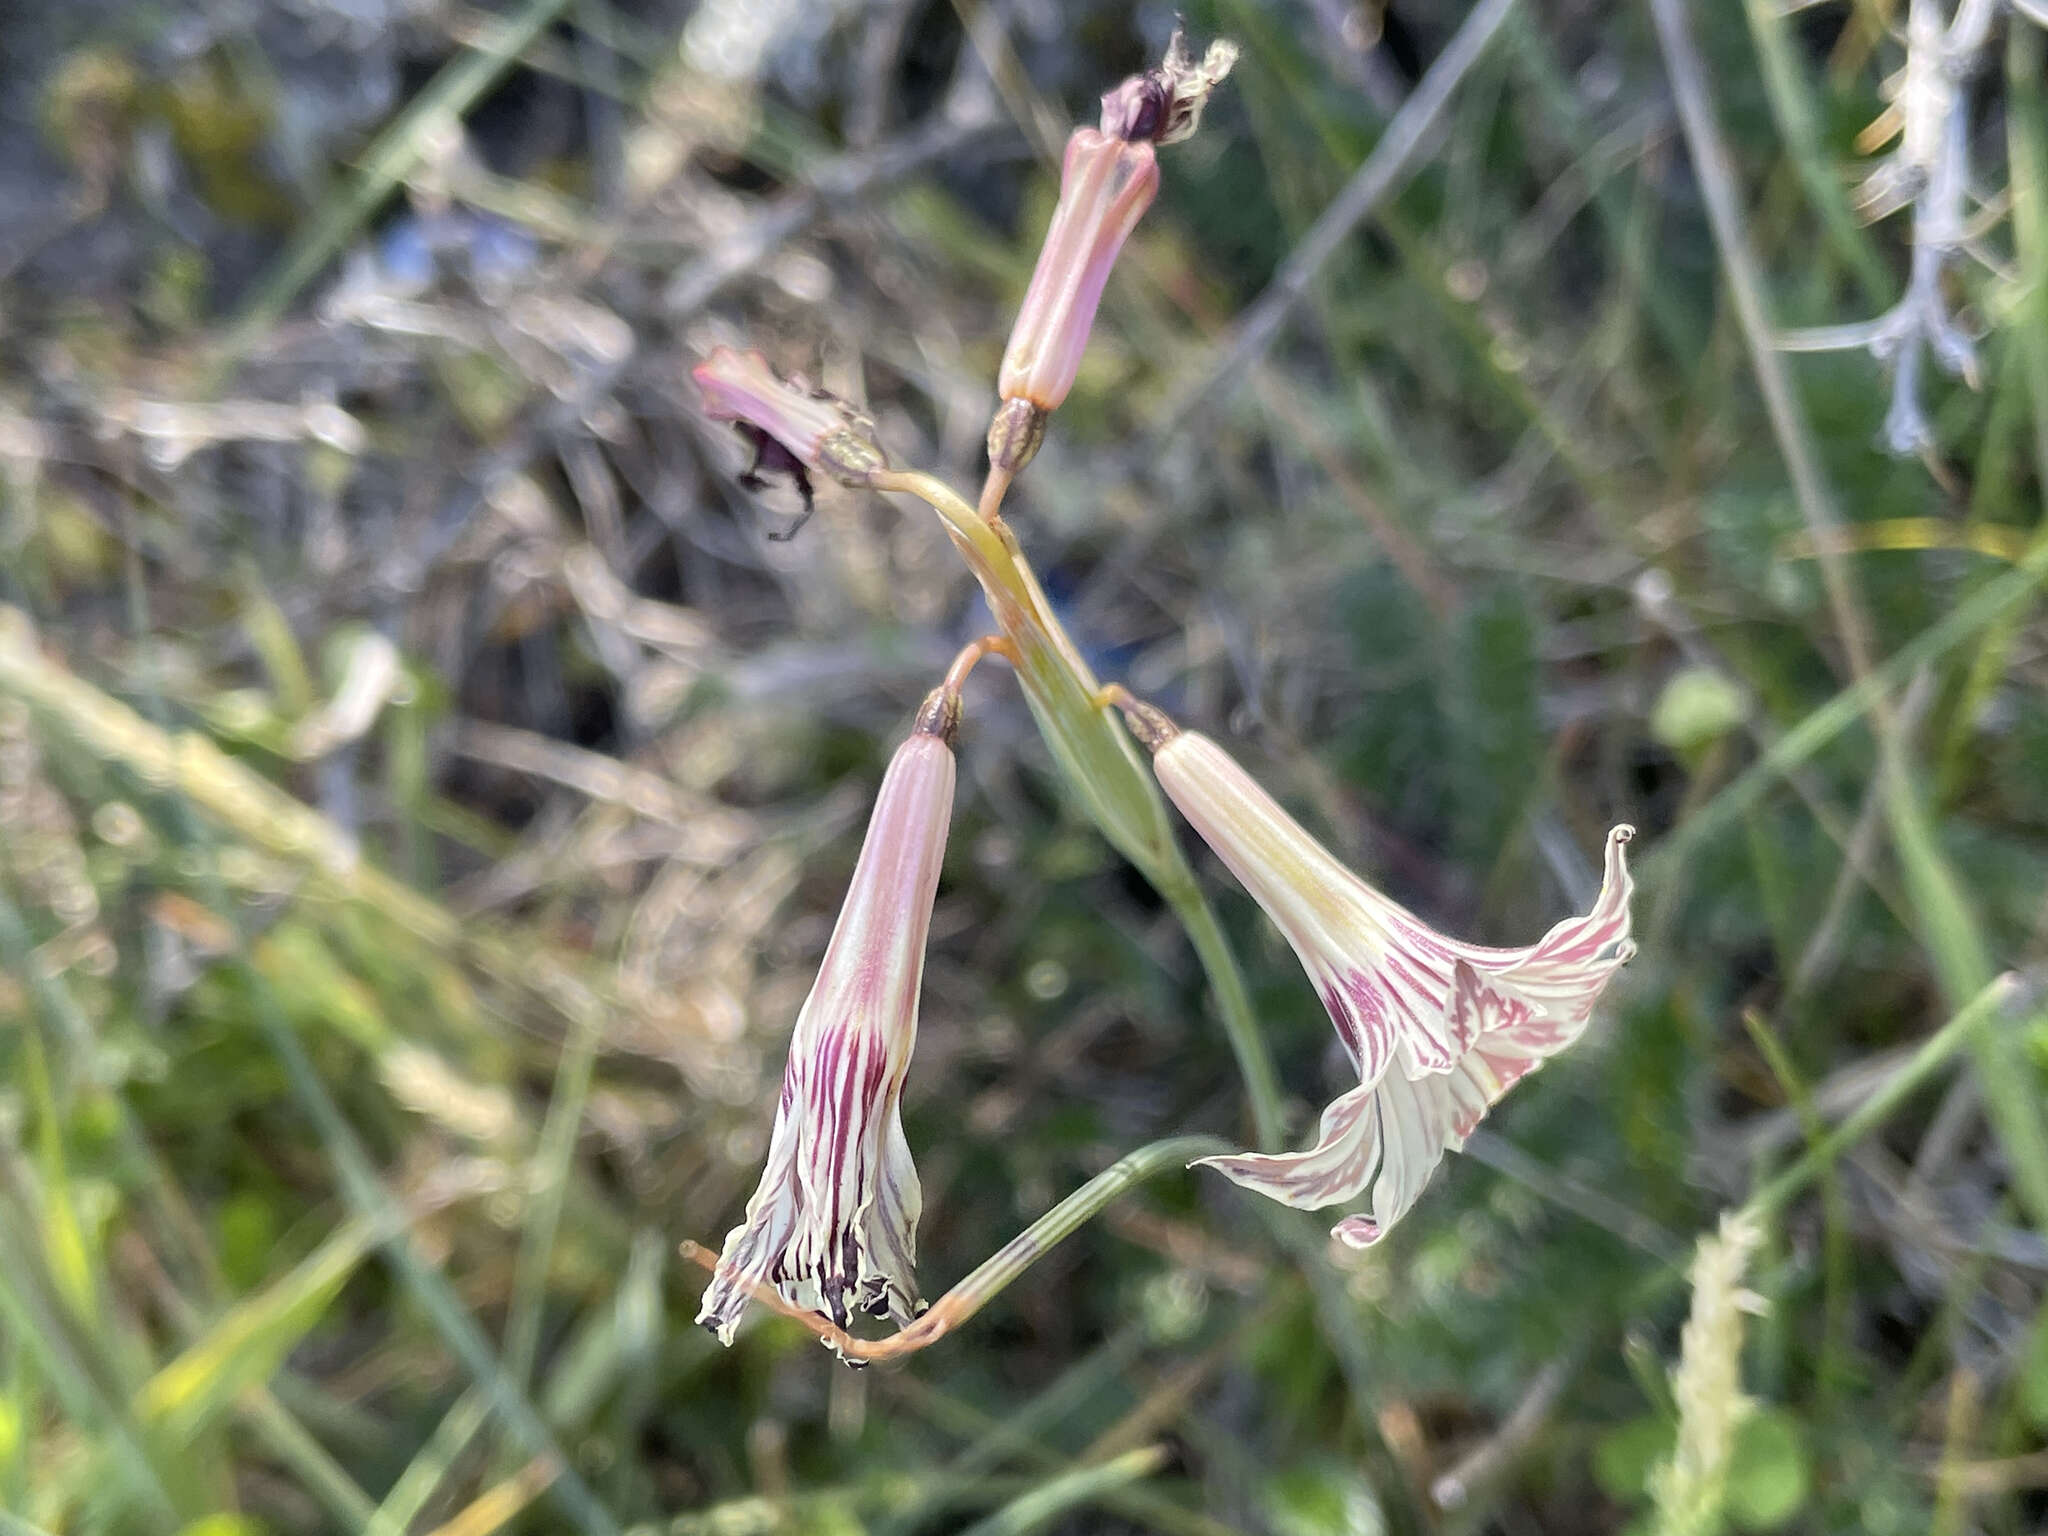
1102 765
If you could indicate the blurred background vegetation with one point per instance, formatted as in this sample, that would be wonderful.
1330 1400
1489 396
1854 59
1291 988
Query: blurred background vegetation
425 786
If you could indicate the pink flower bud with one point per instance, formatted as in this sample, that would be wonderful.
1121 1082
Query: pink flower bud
1107 181
833 1224
1106 185
1437 1029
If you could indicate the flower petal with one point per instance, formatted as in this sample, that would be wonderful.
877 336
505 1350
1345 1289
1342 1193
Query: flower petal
832 1226
1462 1022
1422 1118
1566 970
1419 1120
1392 1134
1337 1168
752 1247
886 1231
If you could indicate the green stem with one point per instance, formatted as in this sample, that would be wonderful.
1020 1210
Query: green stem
1993 1005
1085 1485
550 1172
422 1477
1949 928
1996 598
1965 1029
1234 1007
1102 766
1007 1263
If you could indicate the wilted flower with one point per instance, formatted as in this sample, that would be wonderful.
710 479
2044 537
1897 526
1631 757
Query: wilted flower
1437 1029
794 428
1107 181
833 1225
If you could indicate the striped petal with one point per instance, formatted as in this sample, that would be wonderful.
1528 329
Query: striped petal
833 1224
1437 1029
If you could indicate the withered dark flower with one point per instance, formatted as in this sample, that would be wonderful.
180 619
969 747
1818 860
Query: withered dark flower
794 428
1164 105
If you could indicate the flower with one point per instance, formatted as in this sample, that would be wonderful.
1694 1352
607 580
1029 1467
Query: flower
1108 179
833 1224
1437 1029
793 427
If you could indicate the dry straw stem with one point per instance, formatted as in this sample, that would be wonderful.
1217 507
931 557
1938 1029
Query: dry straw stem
258 812
249 806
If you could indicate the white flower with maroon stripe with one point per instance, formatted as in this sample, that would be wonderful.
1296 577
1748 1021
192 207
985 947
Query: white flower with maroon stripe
1437 1029
833 1225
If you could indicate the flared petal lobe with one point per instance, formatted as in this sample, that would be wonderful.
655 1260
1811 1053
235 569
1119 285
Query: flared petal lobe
833 1224
1437 1029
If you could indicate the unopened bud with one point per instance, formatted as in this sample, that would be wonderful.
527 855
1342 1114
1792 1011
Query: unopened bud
1107 181
1106 185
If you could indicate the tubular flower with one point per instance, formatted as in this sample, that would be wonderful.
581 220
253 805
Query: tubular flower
1107 181
1437 1029
794 428
833 1224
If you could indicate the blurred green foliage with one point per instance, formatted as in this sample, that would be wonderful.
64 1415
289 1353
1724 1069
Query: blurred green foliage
370 1038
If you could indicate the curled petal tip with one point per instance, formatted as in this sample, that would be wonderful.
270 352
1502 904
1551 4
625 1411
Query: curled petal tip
1357 1232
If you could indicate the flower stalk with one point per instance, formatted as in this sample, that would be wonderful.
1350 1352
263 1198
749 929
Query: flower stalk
1101 766
1000 1269
1096 757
